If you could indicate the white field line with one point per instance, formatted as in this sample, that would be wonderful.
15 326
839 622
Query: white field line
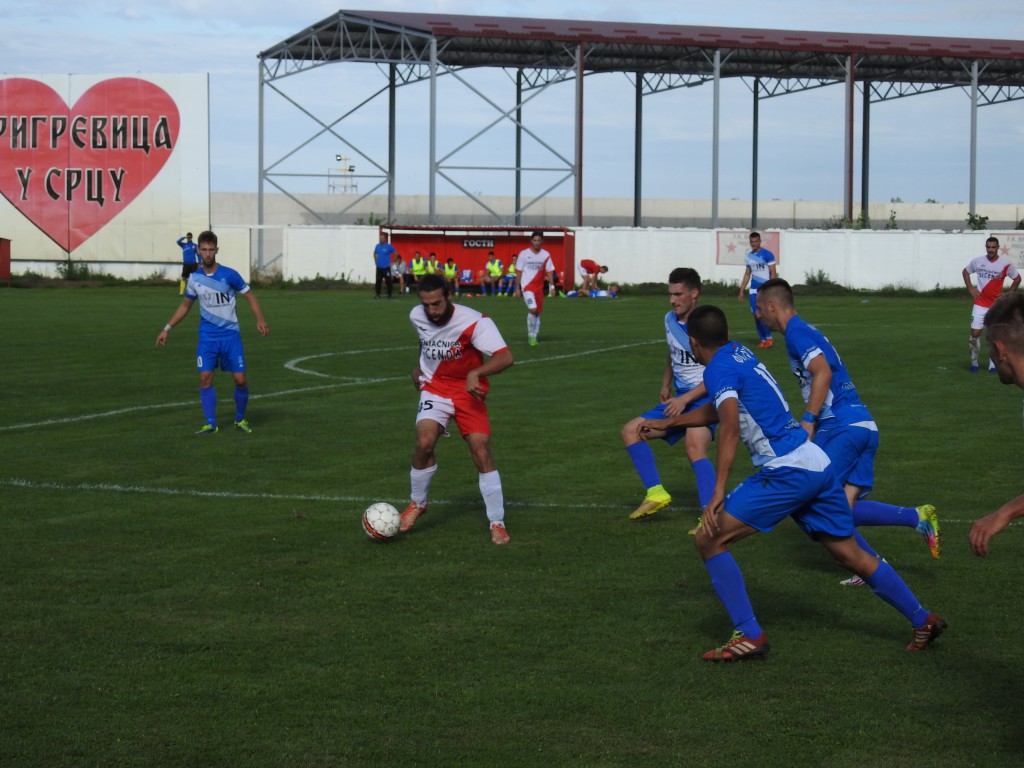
15 482
293 365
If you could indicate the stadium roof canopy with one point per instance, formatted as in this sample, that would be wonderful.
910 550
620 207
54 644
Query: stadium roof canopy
419 46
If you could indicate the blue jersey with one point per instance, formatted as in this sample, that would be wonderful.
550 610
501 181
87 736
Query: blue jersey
216 296
804 342
189 251
686 371
382 255
758 262
766 426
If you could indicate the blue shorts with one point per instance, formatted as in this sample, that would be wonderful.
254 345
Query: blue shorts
815 500
674 434
224 352
852 453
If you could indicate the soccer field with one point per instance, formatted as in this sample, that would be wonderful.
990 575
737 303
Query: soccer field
168 600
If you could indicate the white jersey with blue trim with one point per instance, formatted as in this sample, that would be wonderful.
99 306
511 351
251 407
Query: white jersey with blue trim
767 428
758 262
216 296
686 371
804 342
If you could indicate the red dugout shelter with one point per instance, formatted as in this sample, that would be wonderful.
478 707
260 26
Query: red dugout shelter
469 246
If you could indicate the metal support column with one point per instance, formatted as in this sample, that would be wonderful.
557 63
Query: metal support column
848 142
638 153
519 147
714 139
432 217
753 169
865 157
392 69
259 190
578 193
974 139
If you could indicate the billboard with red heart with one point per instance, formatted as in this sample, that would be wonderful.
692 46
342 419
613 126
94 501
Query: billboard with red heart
79 152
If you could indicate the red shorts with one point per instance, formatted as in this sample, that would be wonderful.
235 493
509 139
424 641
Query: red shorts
470 413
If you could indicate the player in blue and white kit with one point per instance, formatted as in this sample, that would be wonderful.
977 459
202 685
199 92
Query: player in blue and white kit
682 389
760 268
189 260
794 479
215 287
837 420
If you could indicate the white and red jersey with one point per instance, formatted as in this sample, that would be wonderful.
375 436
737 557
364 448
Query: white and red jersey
533 266
990 277
449 352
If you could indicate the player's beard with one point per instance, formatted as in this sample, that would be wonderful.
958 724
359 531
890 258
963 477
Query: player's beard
444 317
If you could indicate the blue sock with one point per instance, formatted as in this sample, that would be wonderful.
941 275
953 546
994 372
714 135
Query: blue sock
643 460
762 330
705 472
864 545
241 402
888 585
877 513
208 398
728 584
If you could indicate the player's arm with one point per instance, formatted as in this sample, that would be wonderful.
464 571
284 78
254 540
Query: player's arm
821 380
727 439
773 271
667 380
177 317
551 282
417 374
743 283
1015 283
698 417
496 363
986 527
970 284
519 282
261 324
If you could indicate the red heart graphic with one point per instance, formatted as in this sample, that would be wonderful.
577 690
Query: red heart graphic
70 171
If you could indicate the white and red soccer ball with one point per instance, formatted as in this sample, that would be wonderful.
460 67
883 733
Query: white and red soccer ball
380 521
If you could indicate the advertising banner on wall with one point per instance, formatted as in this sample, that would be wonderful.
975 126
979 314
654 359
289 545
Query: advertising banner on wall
733 246
104 168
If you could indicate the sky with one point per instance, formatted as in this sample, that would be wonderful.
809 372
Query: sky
919 145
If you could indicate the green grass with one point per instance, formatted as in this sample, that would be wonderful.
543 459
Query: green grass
167 600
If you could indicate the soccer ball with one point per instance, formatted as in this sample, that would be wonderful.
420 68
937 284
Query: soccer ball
380 521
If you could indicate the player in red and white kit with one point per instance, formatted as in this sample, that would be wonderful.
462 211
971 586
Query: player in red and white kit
533 264
991 269
452 380
589 270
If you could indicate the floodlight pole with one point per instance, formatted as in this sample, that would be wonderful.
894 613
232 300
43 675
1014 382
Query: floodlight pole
974 139
519 146
432 217
578 192
848 142
753 171
638 149
392 69
865 156
714 139
259 189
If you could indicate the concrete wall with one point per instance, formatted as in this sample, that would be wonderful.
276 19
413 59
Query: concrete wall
858 259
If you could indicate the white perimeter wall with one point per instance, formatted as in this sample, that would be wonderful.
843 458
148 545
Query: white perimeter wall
857 259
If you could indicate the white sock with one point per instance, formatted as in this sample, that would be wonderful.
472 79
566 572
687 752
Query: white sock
973 346
494 501
419 482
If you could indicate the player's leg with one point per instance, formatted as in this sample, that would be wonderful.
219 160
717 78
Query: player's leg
207 357
431 422
974 342
232 361
698 439
640 453
532 317
889 586
471 417
764 334
748 640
